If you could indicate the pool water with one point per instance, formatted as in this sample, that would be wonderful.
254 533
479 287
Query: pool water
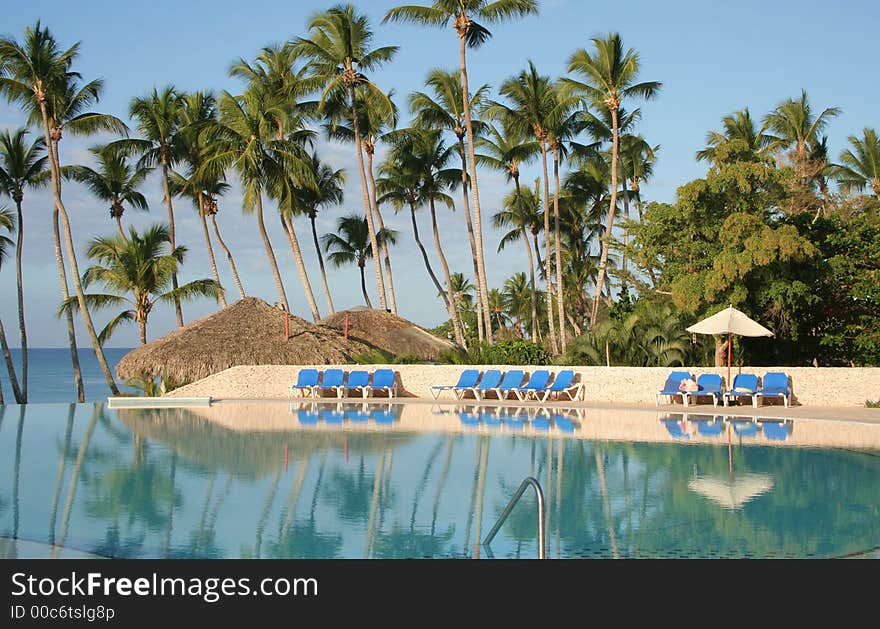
313 480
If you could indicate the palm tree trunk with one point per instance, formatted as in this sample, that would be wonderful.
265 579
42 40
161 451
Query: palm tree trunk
119 227
415 226
55 172
228 257
10 366
481 491
287 223
625 230
481 325
59 476
606 241
482 280
74 478
142 329
384 244
361 265
321 263
177 309
270 253
560 293
453 311
606 504
371 227
2 401
22 331
548 271
68 313
532 287
209 247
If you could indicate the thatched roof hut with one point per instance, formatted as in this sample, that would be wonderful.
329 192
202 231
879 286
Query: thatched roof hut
390 333
248 332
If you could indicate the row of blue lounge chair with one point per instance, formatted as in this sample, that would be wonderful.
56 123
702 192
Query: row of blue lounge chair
501 385
773 430
774 384
314 383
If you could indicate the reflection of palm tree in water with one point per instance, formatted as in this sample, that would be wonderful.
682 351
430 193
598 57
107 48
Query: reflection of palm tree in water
450 441
59 477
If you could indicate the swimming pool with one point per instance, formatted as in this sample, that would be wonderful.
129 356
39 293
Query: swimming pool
351 480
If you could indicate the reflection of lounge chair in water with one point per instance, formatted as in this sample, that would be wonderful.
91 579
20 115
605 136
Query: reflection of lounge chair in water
708 425
674 427
745 427
307 416
776 430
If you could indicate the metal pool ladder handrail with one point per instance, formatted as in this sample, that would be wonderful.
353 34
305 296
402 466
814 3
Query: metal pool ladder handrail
539 494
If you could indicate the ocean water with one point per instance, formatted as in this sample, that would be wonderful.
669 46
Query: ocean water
50 377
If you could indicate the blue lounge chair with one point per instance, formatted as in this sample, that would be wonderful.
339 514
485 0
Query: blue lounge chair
509 383
536 384
466 380
564 384
306 381
776 430
744 385
670 388
775 384
332 380
489 382
358 380
710 385
384 381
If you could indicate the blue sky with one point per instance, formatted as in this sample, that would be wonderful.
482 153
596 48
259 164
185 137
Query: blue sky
712 58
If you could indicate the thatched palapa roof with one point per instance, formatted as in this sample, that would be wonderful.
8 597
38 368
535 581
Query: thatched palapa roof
390 333
248 332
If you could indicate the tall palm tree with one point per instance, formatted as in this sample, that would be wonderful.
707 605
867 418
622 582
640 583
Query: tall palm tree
445 110
462 16
138 267
737 127
399 185
795 125
609 77
374 119
429 158
352 245
159 123
338 52
274 82
245 140
326 193
860 164
7 222
198 113
38 75
533 110
22 165
516 294
499 311
115 181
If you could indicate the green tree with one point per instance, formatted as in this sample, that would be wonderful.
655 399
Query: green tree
338 53
795 126
7 222
138 267
114 181
38 74
462 15
22 165
738 127
352 245
859 166
610 76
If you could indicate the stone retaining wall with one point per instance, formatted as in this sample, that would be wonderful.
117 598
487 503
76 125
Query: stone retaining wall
823 386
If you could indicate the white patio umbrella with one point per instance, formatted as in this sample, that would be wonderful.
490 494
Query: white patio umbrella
729 321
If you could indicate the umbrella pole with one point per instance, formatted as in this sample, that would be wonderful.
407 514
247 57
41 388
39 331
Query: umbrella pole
729 352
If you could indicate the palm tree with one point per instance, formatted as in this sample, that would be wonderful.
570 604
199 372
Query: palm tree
339 54
114 181
794 124
462 293
860 164
7 222
244 139
516 294
737 127
496 304
609 78
198 113
533 109
374 119
445 110
275 84
38 75
22 165
159 123
137 266
327 192
462 15
352 245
